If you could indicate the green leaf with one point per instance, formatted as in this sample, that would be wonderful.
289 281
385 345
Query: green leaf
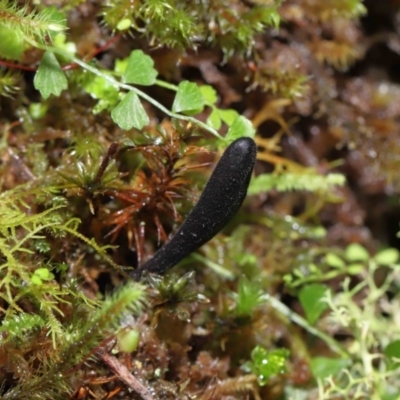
140 69
356 252
103 90
390 396
37 110
209 94
49 78
128 340
56 20
124 24
323 367
214 120
393 349
267 363
188 99
35 279
387 257
120 66
60 41
310 298
11 43
334 261
392 352
228 116
240 127
44 274
248 297
355 269
129 113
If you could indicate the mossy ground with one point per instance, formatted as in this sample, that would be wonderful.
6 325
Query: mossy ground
297 298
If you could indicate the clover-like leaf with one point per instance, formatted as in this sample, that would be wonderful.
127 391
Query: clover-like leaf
189 98
323 367
228 116
140 69
240 127
392 353
49 78
129 113
209 94
214 120
310 298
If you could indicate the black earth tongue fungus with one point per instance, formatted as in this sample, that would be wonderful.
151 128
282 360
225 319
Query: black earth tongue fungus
220 201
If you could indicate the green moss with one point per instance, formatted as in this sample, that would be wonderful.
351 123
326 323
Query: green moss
96 177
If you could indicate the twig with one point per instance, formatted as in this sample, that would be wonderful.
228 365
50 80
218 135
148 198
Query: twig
106 161
123 373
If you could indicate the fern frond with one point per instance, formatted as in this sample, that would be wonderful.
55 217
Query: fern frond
306 181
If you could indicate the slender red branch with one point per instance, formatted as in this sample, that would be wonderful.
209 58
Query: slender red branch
94 53
16 66
105 46
106 161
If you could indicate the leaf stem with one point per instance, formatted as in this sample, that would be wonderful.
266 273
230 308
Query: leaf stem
167 85
141 94
297 319
217 268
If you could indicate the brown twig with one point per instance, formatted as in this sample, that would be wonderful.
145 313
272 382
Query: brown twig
123 373
106 161
16 66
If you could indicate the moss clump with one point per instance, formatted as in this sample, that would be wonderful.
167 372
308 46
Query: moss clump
110 114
